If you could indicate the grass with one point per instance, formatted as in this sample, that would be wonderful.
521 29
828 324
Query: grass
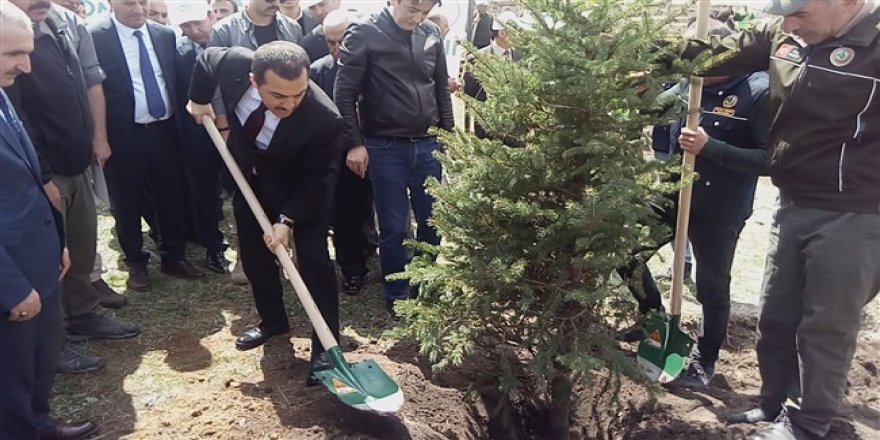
186 340
183 378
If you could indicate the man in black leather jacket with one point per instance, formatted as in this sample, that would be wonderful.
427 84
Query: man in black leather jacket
394 61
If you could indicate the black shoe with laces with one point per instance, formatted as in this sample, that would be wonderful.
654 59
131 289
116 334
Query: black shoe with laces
389 305
216 262
72 361
352 284
696 376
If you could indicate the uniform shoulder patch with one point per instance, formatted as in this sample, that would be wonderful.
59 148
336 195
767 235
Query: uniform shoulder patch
790 52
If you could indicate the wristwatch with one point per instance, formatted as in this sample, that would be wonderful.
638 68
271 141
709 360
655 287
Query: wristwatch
285 220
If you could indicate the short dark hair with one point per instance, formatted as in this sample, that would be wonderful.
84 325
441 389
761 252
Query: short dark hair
288 60
435 2
233 2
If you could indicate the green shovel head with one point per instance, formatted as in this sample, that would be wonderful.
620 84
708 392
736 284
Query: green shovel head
362 385
665 349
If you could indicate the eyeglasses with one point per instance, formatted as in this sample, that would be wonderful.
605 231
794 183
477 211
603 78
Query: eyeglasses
158 14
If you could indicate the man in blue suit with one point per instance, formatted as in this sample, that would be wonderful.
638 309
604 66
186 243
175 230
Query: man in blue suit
32 261
141 88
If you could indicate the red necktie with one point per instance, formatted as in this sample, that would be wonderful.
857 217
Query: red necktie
254 123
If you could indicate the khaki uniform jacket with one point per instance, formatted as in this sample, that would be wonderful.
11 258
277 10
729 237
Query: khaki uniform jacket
825 105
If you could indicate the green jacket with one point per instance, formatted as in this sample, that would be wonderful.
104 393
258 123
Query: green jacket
825 105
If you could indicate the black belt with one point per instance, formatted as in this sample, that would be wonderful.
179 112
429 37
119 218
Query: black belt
410 139
154 124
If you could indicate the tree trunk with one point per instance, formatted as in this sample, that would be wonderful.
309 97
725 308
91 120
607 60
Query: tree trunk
559 417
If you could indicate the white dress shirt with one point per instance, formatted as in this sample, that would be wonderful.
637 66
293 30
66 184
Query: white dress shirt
246 105
500 51
133 59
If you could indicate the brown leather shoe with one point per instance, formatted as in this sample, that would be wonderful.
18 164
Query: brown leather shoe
181 269
139 278
107 297
75 431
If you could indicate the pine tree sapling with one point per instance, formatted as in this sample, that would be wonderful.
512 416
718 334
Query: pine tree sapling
533 235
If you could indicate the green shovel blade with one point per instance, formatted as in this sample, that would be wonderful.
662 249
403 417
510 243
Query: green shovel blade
665 349
362 385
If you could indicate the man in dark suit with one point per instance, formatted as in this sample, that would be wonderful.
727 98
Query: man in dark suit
313 39
201 163
501 47
138 58
286 135
353 199
30 258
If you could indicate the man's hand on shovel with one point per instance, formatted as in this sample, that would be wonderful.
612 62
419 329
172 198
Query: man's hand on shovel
198 111
280 237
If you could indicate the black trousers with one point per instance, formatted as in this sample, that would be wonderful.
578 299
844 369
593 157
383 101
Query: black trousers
262 269
352 222
28 358
714 242
150 159
202 166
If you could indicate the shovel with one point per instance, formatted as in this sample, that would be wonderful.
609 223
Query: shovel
362 385
665 349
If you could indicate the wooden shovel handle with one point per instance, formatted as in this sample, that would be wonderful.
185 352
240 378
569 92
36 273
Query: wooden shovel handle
684 196
324 333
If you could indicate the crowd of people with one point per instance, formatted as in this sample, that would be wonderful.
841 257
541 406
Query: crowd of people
328 114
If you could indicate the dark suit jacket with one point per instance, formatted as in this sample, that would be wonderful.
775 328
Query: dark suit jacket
307 22
315 44
296 173
323 73
192 135
30 239
118 92
472 86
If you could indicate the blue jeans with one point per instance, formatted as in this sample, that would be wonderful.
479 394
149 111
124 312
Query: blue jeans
398 170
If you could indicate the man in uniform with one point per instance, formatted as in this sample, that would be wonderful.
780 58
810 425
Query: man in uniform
391 135
822 269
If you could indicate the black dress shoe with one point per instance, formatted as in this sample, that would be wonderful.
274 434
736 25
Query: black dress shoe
255 337
319 363
389 305
181 269
216 262
76 431
352 284
139 278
